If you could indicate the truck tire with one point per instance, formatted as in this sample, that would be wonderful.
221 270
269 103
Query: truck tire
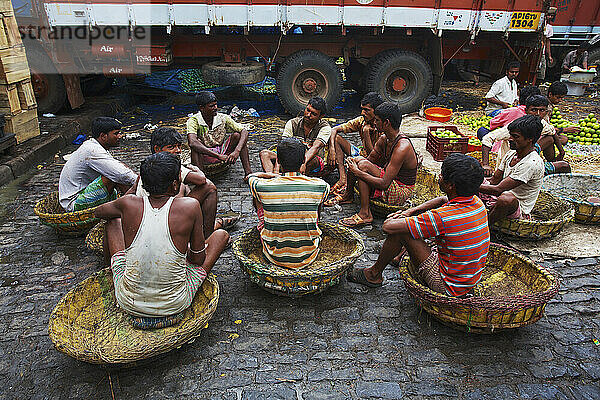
48 84
306 74
233 74
594 59
400 76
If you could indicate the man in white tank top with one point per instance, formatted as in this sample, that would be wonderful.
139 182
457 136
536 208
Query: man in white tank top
159 256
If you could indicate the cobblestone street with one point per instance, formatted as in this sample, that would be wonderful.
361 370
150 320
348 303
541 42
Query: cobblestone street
349 342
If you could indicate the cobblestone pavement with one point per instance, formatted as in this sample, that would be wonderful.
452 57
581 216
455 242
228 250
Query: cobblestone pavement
349 342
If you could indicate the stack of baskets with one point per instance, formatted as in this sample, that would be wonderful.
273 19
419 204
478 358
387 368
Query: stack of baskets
578 190
52 214
95 238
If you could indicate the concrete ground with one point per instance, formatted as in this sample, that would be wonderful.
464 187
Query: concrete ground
349 342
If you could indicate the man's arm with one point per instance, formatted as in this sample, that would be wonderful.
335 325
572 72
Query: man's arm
332 139
391 171
505 184
232 126
311 153
421 208
195 178
561 151
197 146
550 59
365 137
494 100
264 175
197 249
111 168
585 60
378 149
112 209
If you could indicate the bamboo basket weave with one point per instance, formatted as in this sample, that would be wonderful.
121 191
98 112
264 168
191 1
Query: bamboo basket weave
549 216
87 325
495 311
492 159
52 214
314 278
575 188
95 237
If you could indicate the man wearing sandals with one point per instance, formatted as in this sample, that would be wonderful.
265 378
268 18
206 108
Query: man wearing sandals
159 255
389 172
457 221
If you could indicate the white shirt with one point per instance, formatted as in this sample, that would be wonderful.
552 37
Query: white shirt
548 33
530 172
504 90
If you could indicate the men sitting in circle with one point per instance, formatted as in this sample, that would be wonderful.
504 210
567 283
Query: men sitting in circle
193 181
91 175
514 188
159 255
313 131
457 221
556 93
389 172
503 93
214 137
576 58
288 208
364 124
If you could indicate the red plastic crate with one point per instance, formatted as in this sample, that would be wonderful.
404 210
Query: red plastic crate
440 148
471 148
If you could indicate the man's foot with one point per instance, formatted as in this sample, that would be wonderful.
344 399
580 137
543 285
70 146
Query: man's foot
396 260
337 198
357 275
339 187
355 221
226 222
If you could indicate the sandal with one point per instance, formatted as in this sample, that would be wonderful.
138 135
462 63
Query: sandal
338 188
337 198
354 221
357 275
227 222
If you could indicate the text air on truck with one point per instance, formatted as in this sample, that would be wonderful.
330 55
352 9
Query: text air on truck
396 47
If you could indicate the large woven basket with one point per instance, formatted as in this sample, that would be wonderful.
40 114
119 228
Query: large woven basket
314 278
492 159
426 188
52 214
489 309
87 325
576 188
549 216
210 170
95 237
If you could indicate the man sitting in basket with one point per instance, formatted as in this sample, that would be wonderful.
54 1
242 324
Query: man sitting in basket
389 172
214 137
91 175
313 131
193 181
364 124
515 186
159 256
288 208
457 221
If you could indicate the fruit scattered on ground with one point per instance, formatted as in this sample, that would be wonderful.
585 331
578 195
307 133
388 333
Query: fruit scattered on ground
475 122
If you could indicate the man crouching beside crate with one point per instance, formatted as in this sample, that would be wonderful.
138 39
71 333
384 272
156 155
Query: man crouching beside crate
388 173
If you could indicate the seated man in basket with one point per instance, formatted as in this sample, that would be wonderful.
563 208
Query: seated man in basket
389 172
457 221
313 131
214 137
516 184
91 175
288 208
364 124
193 181
159 255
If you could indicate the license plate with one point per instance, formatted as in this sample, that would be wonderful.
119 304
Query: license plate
525 20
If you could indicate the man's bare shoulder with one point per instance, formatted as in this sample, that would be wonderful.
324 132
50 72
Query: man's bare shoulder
186 204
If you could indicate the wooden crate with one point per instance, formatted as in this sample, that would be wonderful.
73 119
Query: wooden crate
16 97
24 125
9 30
13 65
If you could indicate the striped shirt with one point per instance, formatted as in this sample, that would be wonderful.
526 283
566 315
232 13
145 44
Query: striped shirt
462 236
290 235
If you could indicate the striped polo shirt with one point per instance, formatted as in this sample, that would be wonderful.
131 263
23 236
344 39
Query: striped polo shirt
461 232
290 235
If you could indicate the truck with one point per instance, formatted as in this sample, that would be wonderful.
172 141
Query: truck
398 48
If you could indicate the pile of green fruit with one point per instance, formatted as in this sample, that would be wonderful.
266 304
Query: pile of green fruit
444 133
473 141
191 81
475 122
589 128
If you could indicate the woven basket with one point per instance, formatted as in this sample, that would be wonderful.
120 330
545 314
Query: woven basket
549 216
492 158
426 188
95 237
314 278
576 188
52 214
210 170
492 312
87 325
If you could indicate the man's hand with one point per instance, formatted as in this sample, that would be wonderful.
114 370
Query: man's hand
222 157
232 157
550 60
303 169
487 170
571 129
352 165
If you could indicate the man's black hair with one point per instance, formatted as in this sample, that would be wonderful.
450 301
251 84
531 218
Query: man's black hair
319 104
537 101
464 172
391 112
102 125
526 92
165 136
513 64
205 97
558 89
373 99
290 154
158 171
530 126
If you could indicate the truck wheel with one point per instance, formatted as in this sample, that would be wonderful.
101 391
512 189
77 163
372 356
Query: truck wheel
594 59
400 76
233 74
306 74
48 84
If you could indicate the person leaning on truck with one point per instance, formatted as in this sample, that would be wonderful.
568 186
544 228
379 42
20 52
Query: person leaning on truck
215 137
503 93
